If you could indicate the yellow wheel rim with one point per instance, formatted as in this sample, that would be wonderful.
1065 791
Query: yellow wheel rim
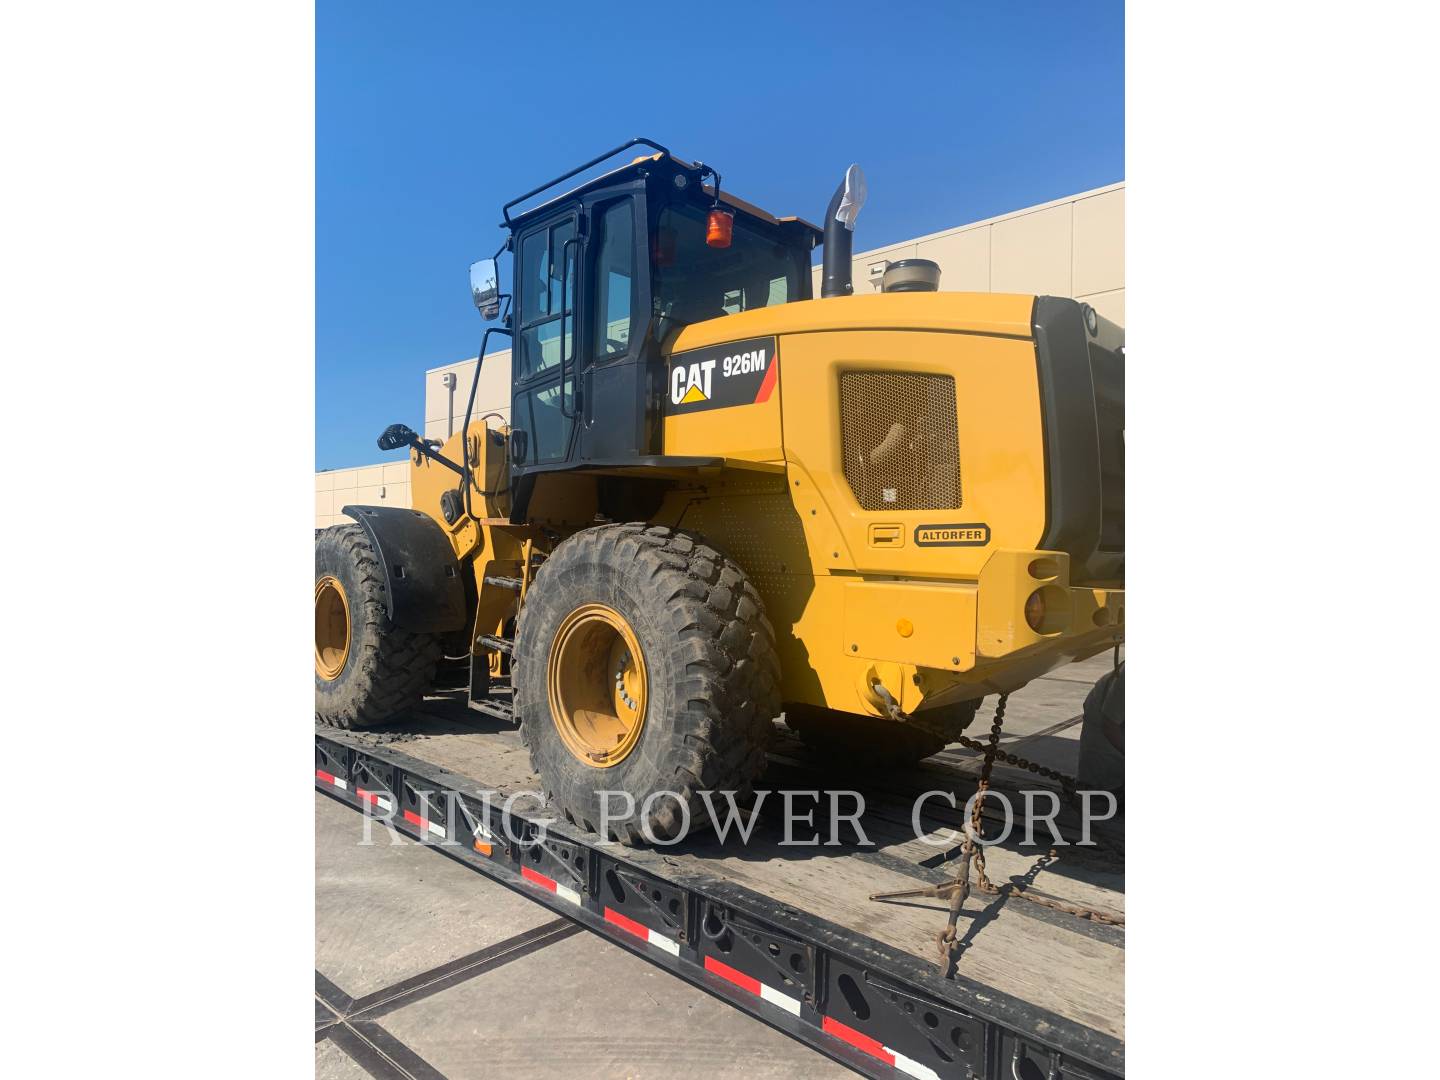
597 684
332 629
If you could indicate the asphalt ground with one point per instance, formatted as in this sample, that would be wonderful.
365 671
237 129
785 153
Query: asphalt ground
425 969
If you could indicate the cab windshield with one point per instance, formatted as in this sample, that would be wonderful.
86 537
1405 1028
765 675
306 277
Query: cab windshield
695 282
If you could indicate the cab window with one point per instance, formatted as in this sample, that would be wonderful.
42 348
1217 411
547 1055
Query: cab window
694 281
614 280
538 412
542 278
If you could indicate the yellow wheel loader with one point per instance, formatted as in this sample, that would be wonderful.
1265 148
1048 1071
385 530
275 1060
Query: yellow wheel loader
718 500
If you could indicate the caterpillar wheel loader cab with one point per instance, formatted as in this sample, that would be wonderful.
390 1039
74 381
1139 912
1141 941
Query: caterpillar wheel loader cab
718 499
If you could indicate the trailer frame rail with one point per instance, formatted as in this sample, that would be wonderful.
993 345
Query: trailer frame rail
880 1011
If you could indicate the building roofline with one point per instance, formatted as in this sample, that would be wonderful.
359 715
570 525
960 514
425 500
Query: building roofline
367 465
985 222
460 363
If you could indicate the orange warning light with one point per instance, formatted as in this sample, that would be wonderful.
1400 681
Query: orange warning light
718 228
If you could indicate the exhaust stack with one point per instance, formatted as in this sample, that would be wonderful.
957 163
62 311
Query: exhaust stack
840 218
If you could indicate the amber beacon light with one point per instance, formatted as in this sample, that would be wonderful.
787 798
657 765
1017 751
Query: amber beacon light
718 228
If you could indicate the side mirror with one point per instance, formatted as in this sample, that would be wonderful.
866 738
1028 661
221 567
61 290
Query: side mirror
396 436
485 288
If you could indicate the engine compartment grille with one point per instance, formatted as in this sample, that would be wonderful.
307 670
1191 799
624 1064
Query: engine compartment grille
900 439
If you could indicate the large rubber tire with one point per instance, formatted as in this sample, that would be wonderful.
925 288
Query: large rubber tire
1102 735
853 739
713 675
387 670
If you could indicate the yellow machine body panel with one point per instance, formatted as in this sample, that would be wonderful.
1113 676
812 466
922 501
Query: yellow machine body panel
751 433
925 600
1002 314
1002 464
483 539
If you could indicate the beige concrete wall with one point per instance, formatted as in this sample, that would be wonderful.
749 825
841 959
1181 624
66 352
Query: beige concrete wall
369 485
1070 247
445 407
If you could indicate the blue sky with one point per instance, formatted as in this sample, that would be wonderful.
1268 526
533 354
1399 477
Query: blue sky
429 117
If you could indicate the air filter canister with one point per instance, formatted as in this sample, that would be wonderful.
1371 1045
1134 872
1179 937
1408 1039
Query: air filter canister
911 275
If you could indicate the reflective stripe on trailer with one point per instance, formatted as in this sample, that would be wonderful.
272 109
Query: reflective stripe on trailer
321 774
424 824
562 891
643 932
484 839
374 800
755 986
861 1041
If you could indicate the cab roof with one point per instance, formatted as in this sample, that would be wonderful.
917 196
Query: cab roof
634 167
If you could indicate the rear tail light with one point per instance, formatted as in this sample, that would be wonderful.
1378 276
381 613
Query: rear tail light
1048 610
1035 610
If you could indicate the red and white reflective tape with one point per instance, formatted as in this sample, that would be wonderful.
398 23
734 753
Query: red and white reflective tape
321 774
424 824
833 1027
861 1041
755 986
562 891
375 800
643 932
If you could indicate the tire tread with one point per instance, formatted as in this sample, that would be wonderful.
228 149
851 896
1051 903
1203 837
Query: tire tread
730 691
396 666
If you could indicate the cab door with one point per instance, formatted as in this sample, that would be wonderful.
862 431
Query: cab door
547 288
614 386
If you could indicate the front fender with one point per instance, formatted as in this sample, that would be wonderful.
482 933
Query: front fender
423 589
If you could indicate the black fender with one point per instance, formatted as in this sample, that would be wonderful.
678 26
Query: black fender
424 592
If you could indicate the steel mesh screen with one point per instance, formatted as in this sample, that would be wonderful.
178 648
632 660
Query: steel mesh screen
900 438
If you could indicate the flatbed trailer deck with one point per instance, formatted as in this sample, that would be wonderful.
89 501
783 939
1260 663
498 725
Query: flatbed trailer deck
790 934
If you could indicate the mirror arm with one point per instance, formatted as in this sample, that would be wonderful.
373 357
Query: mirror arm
709 170
465 476
397 435
435 456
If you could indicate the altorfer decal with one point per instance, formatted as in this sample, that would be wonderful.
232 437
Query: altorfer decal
972 534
